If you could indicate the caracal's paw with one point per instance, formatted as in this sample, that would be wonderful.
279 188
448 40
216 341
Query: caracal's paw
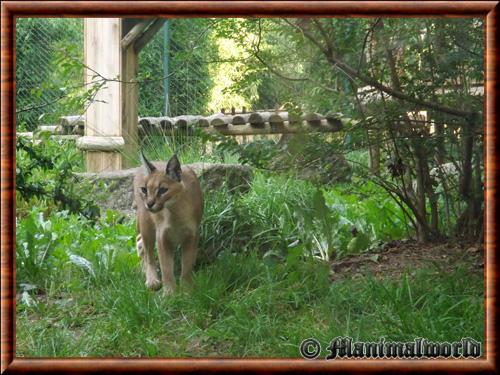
168 290
153 283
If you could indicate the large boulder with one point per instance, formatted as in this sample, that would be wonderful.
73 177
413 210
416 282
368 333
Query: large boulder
114 190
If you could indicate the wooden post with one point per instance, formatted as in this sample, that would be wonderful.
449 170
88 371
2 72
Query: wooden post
111 132
103 118
130 95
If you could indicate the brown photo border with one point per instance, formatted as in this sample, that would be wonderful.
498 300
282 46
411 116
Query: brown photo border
12 9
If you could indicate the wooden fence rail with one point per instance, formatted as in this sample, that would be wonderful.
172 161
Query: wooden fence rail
276 122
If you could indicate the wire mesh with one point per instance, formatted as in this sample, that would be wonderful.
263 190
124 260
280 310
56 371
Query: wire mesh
40 81
174 72
184 49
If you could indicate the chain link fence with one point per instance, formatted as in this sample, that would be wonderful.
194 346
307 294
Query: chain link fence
174 69
40 80
182 53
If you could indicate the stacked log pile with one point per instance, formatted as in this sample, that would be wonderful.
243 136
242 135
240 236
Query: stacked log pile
277 122
267 122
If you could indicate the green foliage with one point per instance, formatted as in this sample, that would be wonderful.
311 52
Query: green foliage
369 209
281 214
293 63
257 277
286 69
44 173
72 245
258 153
318 158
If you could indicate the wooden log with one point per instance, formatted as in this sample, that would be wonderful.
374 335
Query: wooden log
54 129
277 123
240 119
217 120
79 129
334 122
278 117
286 128
72 120
147 123
96 143
145 37
72 124
277 120
205 121
151 122
25 134
150 125
66 137
221 122
258 119
313 119
167 124
133 34
186 121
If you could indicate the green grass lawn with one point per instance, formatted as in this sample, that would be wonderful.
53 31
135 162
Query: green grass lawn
240 306
243 308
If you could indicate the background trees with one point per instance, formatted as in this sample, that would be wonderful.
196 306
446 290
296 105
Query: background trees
415 87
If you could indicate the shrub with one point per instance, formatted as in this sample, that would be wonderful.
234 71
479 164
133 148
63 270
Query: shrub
44 174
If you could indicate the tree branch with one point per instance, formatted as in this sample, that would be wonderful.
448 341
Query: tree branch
339 64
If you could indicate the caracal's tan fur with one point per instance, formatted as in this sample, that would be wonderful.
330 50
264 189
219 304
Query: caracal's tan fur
168 218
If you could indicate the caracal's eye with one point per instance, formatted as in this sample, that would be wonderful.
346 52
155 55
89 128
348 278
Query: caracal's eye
162 191
144 190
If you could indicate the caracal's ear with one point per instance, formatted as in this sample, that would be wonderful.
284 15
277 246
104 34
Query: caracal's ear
174 168
148 167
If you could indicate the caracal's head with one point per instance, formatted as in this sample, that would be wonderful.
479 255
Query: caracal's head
160 187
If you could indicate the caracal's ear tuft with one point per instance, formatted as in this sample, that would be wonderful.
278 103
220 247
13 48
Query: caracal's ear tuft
149 168
174 168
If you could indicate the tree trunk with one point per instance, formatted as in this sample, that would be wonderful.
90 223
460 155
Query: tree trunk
374 152
440 150
465 223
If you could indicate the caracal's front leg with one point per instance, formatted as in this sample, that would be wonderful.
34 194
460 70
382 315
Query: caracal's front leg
146 227
189 252
166 256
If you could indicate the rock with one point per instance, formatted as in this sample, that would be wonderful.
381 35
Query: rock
114 190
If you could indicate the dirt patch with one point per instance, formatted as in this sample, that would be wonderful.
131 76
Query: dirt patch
397 257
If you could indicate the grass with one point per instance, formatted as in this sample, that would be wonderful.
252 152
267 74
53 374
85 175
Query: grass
242 307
